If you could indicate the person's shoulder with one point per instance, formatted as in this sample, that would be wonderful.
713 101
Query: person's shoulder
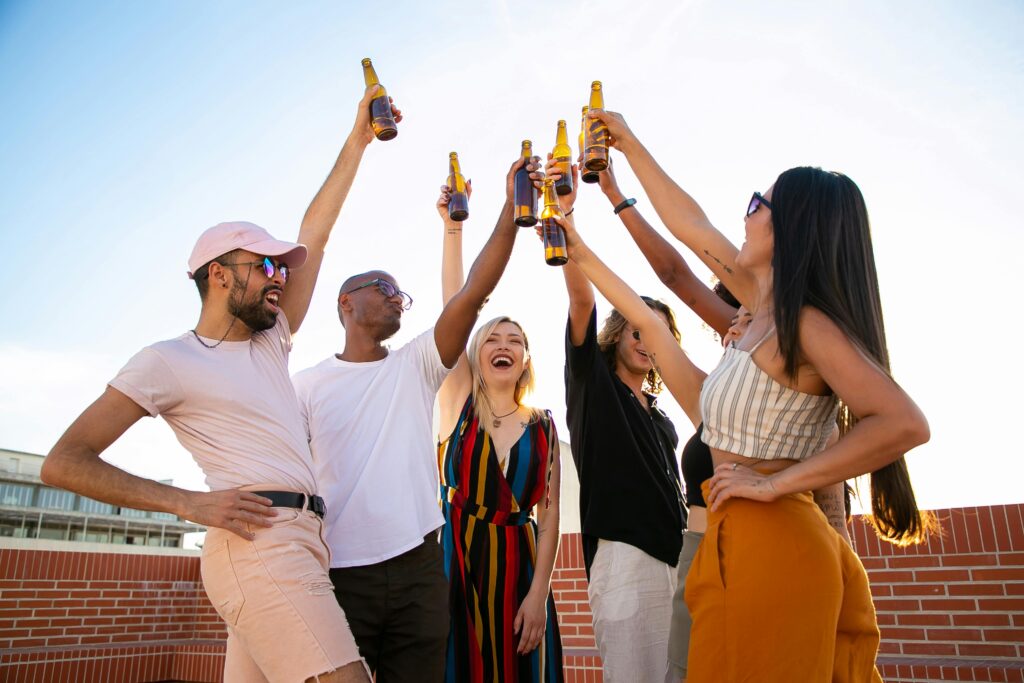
313 373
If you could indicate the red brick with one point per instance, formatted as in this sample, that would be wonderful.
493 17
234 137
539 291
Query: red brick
919 589
1006 635
948 605
1007 574
923 619
977 560
1011 559
1001 604
891 576
979 619
954 634
943 575
912 561
936 649
902 634
986 650
976 589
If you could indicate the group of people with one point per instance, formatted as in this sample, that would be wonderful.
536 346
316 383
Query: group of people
328 554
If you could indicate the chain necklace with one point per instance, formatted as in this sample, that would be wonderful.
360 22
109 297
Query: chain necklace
213 346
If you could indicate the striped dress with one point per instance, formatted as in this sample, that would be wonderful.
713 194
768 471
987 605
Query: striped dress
490 549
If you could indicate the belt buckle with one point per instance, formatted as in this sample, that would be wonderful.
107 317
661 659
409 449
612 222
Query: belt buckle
316 506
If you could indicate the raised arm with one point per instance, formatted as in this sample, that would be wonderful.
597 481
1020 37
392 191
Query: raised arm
458 383
680 212
323 213
581 294
74 464
680 375
456 321
669 265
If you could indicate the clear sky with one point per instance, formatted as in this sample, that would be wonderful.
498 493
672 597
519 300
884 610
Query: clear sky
128 128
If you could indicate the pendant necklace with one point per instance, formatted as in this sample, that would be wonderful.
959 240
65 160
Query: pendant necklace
498 418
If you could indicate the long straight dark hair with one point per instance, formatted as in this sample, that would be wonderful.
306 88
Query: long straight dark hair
823 258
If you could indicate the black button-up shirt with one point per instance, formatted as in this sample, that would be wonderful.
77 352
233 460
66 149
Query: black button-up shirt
625 458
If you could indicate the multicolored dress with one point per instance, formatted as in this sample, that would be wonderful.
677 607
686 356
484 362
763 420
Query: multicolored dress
490 550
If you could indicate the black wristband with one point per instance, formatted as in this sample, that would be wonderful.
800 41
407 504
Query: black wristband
569 212
626 203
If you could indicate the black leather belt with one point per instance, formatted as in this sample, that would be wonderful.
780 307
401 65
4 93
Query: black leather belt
291 499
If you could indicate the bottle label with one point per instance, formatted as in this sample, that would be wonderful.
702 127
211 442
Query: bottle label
380 109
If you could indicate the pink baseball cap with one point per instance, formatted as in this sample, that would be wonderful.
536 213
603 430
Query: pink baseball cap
225 237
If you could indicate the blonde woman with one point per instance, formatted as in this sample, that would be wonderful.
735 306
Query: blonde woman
499 468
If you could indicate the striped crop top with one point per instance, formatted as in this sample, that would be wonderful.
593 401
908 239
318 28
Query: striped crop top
748 412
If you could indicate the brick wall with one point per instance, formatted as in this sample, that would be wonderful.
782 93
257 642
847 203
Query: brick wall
949 610
104 616
952 610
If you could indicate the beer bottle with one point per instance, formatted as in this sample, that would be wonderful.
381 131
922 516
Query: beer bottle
525 192
585 175
458 198
596 156
562 155
555 253
383 122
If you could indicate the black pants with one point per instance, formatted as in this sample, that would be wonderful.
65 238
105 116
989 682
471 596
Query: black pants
398 612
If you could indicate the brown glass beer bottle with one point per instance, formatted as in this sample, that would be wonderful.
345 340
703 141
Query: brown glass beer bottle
562 155
596 138
458 197
383 122
555 253
585 175
525 199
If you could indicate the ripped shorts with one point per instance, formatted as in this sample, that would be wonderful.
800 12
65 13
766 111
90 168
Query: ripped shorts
284 623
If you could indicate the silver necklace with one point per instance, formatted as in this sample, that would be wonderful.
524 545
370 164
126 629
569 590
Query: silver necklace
213 346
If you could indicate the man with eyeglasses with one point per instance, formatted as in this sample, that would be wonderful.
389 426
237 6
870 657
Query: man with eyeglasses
369 412
223 387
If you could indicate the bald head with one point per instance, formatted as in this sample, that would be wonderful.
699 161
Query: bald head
362 278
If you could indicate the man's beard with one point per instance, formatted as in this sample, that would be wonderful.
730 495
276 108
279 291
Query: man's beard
253 313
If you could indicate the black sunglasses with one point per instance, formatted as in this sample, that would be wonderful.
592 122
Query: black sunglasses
755 202
268 267
385 288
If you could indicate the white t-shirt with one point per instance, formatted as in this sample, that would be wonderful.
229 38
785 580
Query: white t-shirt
371 435
232 407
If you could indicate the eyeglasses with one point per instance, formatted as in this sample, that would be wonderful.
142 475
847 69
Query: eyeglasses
387 289
268 267
755 203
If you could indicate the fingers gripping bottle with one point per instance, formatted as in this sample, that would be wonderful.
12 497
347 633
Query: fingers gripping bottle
381 118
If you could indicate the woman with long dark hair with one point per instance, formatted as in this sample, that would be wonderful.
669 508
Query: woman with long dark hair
775 596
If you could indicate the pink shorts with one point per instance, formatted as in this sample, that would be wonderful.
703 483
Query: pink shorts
284 623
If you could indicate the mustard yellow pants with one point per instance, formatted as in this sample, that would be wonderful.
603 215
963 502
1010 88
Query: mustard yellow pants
776 596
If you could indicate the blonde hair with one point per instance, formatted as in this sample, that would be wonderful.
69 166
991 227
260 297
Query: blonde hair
524 385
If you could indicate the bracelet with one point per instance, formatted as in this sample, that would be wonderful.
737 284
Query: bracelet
625 204
569 212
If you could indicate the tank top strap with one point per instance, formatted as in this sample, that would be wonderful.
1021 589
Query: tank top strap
762 340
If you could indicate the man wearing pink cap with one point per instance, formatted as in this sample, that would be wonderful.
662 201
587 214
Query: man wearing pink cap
224 389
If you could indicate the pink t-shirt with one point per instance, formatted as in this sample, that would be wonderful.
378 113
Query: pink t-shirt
232 407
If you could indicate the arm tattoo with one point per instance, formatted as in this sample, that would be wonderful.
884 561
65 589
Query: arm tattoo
724 267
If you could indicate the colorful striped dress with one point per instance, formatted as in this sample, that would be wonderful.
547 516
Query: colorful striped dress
490 549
